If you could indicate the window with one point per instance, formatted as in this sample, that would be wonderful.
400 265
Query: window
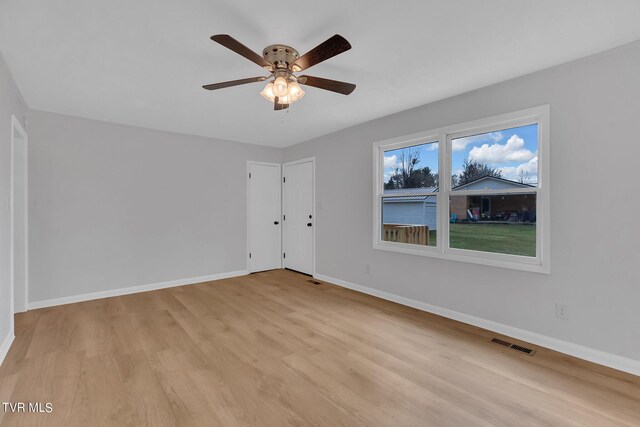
409 195
475 192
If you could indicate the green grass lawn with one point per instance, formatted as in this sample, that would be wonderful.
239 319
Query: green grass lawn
514 239
433 238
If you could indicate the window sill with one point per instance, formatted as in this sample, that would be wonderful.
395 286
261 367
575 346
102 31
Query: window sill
513 262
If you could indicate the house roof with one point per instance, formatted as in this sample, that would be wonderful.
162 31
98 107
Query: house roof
409 198
410 191
420 197
493 178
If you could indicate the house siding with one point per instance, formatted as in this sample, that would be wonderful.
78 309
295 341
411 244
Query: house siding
415 213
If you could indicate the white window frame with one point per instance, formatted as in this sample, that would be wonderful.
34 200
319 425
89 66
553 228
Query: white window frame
540 263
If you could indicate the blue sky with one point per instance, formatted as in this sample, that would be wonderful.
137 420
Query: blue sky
513 151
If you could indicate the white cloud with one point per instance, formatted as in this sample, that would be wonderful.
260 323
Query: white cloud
390 161
460 144
512 151
528 170
433 146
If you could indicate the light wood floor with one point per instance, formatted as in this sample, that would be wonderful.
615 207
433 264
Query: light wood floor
273 349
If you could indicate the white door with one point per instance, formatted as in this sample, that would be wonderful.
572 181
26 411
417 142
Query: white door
264 222
298 216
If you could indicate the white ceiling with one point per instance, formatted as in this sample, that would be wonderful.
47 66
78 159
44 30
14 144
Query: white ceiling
142 62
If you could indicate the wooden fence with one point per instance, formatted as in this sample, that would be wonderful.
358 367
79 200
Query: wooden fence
402 233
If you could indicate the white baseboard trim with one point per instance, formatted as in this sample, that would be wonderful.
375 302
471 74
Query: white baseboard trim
6 345
133 289
586 353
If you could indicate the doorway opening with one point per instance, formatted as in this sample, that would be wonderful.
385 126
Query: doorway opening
19 214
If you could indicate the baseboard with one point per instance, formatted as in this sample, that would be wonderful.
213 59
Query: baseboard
133 289
586 353
6 345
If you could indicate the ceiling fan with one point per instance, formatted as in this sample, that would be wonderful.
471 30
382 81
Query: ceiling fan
282 61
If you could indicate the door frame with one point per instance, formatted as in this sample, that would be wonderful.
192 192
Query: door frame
313 206
18 132
249 163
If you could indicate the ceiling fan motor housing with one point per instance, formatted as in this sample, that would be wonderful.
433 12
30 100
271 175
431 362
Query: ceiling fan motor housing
281 56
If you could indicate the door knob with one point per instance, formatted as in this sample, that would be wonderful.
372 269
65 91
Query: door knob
276 222
309 224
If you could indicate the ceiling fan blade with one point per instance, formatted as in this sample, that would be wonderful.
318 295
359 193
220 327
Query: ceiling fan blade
327 84
325 50
233 44
230 83
277 106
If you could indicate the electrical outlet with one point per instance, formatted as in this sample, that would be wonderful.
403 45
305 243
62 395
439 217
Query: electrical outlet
561 311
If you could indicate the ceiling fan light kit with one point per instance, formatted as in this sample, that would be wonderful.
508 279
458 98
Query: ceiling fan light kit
282 61
290 94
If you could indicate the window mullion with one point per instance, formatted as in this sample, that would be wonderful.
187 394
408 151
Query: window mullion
443 202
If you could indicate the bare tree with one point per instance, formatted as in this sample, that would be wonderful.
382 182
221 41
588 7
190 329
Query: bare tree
524 178
408 175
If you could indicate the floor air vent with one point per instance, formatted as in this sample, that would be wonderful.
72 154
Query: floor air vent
523 349
516 347
504 343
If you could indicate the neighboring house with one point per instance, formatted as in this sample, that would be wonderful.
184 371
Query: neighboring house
515 207
410 210
421 210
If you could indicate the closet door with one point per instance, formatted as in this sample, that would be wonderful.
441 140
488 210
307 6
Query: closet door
298 216
264 217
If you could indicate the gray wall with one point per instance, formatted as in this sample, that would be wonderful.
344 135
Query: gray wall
10 103
595 249
114 206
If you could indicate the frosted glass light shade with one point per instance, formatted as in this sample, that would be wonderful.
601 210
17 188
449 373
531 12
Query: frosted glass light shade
280 87
294 92
267 92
